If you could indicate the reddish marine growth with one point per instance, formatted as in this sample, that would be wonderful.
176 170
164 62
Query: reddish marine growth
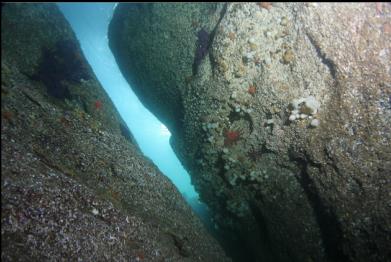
266 5
65 121
231 137
98 104
251 90
379 8
7 115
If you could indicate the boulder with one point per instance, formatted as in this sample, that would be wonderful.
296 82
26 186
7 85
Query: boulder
281 116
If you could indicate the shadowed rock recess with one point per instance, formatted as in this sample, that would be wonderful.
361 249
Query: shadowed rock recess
280 112
74 184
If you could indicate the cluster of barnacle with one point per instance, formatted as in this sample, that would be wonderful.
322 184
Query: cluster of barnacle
212 129
245 47
258 175
219 130
242 97
305 108
223 133
237 164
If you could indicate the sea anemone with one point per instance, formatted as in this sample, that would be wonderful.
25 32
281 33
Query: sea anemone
231 137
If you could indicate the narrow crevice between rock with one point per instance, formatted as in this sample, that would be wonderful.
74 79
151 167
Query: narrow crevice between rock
330 228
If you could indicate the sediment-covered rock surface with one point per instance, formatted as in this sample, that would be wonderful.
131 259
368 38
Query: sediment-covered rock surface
74 184
281 112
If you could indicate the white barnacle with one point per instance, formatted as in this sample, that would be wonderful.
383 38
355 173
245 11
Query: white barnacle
270 121
95 211
292 117
315 122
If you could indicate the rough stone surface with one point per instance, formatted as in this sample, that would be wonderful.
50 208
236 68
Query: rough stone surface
74 184
295 191
164 27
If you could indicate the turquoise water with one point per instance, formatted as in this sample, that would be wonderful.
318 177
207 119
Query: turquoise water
90 23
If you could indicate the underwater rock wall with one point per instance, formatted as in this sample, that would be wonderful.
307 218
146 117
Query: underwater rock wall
282 117
167 30
74 184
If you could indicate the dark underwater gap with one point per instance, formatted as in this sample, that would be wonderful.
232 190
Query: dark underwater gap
330 228
267 252
234 246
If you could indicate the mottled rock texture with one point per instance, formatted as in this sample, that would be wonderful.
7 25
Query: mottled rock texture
74 184
313 188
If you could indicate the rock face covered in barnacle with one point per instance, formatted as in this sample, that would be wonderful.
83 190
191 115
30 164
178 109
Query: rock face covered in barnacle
74 184
307 87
